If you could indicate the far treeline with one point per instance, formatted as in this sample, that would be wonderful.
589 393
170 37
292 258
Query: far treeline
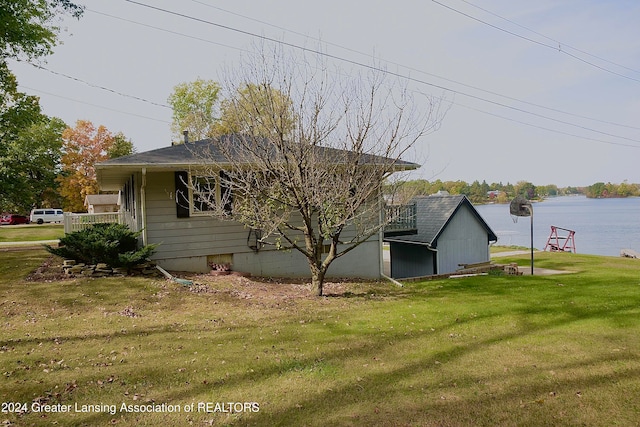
482 192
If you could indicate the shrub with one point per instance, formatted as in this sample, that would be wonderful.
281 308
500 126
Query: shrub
112 244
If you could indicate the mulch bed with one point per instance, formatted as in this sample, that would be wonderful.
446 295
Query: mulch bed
49 271
235 286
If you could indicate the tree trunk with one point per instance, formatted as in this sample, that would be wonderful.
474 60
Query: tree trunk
319 267
317 274
317 279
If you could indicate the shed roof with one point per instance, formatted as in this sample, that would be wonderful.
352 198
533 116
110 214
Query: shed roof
434 214
101 199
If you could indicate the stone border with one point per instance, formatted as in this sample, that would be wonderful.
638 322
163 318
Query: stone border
73 269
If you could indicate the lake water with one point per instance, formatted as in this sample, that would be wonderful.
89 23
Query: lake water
602 226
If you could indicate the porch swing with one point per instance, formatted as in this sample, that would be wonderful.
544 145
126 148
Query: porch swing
561 243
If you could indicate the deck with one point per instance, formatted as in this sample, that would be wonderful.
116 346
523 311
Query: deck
400 220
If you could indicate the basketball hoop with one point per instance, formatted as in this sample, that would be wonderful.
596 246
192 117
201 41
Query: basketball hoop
522 207
519 207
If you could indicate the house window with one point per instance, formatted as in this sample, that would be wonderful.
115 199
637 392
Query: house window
204 194
128 197
208 193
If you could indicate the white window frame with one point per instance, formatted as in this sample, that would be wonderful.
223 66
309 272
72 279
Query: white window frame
193 178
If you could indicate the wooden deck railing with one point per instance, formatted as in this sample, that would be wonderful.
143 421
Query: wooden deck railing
76 222
400 219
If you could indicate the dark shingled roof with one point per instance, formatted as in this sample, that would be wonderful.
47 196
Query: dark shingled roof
194 153
433 214
182 154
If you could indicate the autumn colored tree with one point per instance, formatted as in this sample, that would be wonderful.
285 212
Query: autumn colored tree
84 146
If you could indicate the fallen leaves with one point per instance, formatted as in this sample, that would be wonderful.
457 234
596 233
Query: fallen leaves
128 312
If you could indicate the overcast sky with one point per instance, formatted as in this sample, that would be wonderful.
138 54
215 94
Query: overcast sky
545 91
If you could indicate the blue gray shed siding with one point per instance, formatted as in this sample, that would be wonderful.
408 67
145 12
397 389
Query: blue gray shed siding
463 241
411 260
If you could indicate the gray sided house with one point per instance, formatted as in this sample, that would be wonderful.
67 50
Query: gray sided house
449 232
155 199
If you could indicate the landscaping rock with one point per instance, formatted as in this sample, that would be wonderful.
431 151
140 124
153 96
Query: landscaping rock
70 268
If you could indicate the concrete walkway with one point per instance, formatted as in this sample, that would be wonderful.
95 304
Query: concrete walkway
526 270
512 253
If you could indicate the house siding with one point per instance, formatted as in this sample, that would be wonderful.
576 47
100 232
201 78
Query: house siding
185 243
196 236
463 241
362 262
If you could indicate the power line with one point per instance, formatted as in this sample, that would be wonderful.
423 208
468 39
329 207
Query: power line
67 76
360 53
94 105
559 43
556 48
371 67
57 73
348 61
621 144
421 71
288 30
167 31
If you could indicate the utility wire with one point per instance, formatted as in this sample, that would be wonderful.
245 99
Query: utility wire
621 144
424 72
559 43
371 67
556 48
167 31
93 105
346 60
336 45
57 73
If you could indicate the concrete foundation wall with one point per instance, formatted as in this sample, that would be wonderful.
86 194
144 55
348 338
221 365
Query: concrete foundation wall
362 262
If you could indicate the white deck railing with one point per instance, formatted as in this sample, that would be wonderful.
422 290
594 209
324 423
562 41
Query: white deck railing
76 222
399 218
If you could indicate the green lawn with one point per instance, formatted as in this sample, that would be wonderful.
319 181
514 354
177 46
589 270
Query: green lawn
498 249
478 351
30 233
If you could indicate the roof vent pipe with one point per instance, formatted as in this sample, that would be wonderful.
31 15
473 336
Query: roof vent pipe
186 136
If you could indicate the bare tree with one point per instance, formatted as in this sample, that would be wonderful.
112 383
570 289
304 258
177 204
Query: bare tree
308 167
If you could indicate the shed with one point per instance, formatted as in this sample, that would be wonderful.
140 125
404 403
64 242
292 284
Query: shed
101 203
449 232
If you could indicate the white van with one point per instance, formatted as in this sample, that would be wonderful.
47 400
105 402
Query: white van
41 216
